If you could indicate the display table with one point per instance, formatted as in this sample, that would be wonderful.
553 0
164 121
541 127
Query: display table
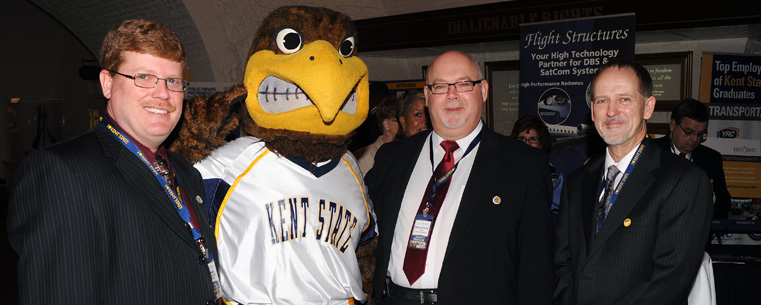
737 284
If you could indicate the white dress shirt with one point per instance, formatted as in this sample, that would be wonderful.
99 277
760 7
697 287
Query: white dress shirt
413 195
677 152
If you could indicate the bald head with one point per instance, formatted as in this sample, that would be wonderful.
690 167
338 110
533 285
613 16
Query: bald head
456 112
452 56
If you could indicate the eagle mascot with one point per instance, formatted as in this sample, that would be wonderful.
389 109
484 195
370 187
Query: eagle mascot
286 200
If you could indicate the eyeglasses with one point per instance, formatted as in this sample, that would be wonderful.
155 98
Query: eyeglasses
149 81
461 86
532 140
702 135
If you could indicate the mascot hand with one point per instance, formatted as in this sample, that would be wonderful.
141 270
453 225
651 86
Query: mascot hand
207 122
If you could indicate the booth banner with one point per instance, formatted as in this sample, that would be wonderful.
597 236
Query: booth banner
742 165
731 85
740 238
742 171
730 78
735 121
206 88
557 60
400 88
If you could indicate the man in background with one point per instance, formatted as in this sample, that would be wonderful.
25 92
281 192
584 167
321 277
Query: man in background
687 130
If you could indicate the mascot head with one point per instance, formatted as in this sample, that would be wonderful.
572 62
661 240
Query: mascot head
307 91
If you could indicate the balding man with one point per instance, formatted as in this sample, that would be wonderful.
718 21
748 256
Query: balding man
473 229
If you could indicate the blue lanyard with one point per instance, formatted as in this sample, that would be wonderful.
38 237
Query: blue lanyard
178 204
624 178
448 174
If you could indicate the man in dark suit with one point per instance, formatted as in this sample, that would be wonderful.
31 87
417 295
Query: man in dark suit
687 130
112 217
635 236
479 231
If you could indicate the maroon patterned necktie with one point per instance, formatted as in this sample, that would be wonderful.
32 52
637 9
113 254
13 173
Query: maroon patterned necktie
414 259
163 168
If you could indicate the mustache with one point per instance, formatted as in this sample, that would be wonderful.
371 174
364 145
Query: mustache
170 107
615 119
453 104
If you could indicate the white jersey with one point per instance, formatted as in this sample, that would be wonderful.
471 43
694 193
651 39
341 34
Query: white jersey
286 235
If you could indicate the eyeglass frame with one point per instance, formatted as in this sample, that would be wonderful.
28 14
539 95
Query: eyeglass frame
531 140
700 137
472 82
184 83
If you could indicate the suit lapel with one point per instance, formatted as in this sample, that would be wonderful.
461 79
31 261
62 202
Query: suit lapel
697 156
142 181
485 165
403 169
637 185
592 183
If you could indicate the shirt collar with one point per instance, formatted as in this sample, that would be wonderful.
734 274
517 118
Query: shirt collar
676 150
464 142
621 165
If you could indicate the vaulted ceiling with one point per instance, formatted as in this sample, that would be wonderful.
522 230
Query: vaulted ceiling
220 29
219 32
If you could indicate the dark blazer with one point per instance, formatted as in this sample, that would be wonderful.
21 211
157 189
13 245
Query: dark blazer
92 225
497 253
711 162
650 246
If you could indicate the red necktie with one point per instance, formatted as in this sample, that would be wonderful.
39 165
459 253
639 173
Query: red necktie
414 259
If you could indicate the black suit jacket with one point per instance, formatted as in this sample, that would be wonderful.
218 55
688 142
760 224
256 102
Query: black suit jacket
651 244
711 162
92 225
497 253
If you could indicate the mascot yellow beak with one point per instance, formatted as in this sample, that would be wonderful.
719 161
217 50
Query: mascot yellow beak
314 90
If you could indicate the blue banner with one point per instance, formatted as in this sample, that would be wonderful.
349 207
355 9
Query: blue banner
730 78
557 61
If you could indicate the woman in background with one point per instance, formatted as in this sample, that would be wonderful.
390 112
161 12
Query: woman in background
413 115
386 116
532 131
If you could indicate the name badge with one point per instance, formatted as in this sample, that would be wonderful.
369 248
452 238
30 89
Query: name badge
214 277
421 231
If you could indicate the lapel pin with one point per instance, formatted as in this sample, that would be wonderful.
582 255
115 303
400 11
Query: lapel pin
198 199
627 222
496 200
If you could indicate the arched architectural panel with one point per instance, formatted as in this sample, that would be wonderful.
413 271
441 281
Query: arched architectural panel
89 20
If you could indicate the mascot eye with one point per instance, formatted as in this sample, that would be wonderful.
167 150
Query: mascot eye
288 41
347 47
